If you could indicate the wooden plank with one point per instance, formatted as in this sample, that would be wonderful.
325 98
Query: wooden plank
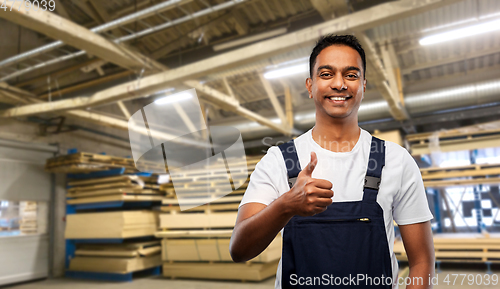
113 265
222 271
461 174
111 225
112 192
198 220
95 181
210 207
217 233
123 185
225 199
212 250
114 198
461 248
462 182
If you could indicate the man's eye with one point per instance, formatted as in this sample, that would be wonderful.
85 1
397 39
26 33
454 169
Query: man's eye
352 76
325 74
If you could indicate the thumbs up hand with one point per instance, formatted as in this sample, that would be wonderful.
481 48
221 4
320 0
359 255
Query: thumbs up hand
309 196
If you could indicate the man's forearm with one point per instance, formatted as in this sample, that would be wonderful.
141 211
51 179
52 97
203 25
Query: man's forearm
420 275
252 235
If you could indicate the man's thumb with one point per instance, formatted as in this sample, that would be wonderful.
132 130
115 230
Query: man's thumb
312 164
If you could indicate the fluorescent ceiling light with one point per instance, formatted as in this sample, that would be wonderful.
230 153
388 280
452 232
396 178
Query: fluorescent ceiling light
461 32
286 71
249 39
174 98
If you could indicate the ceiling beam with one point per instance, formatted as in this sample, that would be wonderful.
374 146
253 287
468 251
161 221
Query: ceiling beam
330 9
97 118
377 74
361 20
274 99
61 10
77 36
391 65
288 105
228 103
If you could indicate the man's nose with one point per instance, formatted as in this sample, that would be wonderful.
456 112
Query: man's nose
337 83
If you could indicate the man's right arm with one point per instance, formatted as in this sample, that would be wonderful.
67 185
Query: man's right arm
257 224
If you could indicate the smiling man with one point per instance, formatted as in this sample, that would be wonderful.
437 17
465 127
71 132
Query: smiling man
334 191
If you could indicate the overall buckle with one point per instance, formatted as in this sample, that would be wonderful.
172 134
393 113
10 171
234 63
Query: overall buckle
372 182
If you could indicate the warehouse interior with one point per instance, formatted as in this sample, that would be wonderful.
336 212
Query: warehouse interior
79 206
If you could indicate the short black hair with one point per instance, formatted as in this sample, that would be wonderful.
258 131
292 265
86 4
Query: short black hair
329 40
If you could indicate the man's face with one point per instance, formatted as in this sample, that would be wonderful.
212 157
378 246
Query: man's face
337 83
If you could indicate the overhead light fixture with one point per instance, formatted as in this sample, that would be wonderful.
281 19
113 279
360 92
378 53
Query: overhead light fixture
461 32
286 71
249 39
174 98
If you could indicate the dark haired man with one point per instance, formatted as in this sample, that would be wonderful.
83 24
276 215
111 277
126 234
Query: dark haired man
336 214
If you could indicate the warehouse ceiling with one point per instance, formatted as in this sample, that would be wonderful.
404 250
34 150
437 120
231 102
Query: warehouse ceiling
114 57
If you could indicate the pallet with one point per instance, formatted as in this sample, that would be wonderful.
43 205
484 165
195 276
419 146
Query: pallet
111 277
220 271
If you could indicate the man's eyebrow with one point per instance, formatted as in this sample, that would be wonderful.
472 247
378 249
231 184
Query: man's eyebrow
325 67
329 67
352 68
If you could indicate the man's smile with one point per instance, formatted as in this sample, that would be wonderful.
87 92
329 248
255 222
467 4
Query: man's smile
338 98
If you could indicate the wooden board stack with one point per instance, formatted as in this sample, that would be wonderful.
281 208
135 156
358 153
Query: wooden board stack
461 175
116 258
461 248
125 188
28 214
111 225
196 241
82 162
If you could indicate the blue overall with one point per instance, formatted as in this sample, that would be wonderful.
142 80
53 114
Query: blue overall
346 241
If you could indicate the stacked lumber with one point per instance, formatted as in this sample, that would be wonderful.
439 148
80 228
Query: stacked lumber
116 258
461 248
475 136
28 216
127 188
111 225
195 242
82 162
461 175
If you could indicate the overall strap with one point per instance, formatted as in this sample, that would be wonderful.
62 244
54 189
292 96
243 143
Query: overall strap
376 162
289 153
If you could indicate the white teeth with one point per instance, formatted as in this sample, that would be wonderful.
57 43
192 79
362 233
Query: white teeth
337 98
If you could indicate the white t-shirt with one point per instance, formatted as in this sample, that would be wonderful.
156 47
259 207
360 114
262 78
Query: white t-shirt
401 193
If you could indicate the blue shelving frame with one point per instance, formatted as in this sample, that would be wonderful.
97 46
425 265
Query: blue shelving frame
71 243
114 277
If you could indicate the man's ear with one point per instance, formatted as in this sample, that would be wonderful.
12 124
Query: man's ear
309 86
364 85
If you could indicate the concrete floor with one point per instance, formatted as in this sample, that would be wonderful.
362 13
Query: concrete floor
158 282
